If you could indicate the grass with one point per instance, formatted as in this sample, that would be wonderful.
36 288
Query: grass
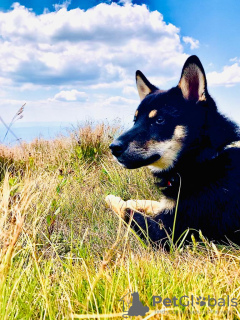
64 255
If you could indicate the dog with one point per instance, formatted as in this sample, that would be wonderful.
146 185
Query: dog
193 150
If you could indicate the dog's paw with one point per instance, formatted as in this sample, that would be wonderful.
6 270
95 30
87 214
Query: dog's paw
116 204
111 199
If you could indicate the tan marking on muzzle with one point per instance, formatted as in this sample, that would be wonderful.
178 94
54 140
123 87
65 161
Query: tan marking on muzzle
169 149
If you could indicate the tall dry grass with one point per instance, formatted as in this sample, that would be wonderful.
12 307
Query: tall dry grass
64 255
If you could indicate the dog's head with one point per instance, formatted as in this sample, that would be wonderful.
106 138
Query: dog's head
163 120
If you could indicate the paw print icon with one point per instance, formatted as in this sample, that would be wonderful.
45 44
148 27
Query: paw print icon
201 301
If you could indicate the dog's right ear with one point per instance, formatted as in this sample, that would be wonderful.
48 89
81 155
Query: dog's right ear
143 85
193 81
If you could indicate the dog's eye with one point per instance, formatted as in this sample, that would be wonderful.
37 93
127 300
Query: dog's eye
160 121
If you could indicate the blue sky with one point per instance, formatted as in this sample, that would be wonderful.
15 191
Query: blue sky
75 60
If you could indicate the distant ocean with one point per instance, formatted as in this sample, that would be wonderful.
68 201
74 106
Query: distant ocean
45 130
29 131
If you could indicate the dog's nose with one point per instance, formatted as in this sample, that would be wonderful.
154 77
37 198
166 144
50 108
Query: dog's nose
116 148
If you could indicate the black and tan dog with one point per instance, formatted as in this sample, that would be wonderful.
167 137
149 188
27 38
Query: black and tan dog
183 138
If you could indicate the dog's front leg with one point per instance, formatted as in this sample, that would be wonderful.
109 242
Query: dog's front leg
146 207
149 219
138 211
150 207
117 205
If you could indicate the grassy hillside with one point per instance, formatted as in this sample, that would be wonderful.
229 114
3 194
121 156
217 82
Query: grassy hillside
64 255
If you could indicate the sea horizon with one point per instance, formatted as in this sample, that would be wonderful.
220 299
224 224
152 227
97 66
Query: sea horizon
28 131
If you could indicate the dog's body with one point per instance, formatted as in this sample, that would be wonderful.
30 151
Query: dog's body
182 137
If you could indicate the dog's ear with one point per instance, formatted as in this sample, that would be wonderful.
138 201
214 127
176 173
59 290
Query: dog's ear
193 81
143 85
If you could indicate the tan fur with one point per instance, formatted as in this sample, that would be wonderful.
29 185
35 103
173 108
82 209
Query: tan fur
235 144
152 113
143 89
145 207
136 113
192 75
116 204
168 149
179 132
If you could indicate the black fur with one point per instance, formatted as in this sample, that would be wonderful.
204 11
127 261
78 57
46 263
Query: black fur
209 172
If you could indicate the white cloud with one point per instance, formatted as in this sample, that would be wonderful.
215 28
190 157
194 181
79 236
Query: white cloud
235 59
71 95
88 56
129 90
228 77
118 100
194 44
91 57
78 47
65 4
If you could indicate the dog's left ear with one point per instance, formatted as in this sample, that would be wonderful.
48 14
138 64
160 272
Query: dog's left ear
143 85
193 81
